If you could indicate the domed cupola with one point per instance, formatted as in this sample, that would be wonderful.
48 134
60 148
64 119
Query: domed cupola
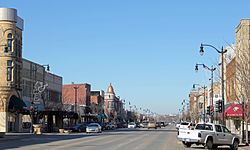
110 89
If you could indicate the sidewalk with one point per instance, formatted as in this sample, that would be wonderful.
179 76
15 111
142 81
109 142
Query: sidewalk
14 136
243 147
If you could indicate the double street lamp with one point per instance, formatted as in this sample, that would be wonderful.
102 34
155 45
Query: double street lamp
212 69
221 52
204 103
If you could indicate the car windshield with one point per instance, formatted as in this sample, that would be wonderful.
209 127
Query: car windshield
131 123
93 125
184 123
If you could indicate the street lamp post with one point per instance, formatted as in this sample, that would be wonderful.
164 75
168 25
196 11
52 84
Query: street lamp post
204 103
212 69
76 89
221 52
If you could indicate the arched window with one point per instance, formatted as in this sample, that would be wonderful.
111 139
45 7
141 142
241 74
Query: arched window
9 41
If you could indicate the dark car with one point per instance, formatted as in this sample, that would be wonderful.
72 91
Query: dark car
163 124
102 124
79 127
158 124
122 125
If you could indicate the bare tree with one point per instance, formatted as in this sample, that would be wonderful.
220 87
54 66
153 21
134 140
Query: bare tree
243 83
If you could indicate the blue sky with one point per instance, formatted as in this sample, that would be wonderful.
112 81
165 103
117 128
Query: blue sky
147 49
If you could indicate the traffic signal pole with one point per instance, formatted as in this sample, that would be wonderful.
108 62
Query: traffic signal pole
204 103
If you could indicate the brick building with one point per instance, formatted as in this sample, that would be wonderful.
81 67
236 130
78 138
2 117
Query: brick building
76 98
97 105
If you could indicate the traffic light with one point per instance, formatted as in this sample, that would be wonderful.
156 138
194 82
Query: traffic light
219 106
208 110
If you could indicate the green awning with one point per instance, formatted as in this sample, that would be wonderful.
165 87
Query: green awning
16 104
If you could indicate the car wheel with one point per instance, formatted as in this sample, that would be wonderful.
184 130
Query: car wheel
215 146
209 143
235 145
186 144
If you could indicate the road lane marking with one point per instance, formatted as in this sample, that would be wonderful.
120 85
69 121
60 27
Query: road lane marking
76 142
129 141
146 142
112 140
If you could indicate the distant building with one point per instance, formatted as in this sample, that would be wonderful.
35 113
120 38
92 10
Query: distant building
76 98
113 106
97 105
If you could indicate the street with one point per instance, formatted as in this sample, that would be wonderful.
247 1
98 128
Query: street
120 139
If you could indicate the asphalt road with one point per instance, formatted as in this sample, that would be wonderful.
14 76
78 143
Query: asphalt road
121 139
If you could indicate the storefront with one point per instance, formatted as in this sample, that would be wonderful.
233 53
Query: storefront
233 114
17 112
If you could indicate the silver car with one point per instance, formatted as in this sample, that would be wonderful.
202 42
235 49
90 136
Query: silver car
93 128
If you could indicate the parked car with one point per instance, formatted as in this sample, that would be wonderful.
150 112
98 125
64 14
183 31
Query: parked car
177 126
102 124
144 124
110 125
210 135
122 125
93 128
163 124
152 125
79 127
141 125
158 124
132 125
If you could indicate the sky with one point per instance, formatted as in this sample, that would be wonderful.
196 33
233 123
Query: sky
147 49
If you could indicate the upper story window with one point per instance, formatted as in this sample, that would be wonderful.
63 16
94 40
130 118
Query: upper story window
9 42
9 70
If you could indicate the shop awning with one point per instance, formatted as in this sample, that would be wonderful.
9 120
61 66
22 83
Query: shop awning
72 115
16 104
101 116
234 110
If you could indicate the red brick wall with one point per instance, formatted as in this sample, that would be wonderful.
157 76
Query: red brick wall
230 82
83 94
94 99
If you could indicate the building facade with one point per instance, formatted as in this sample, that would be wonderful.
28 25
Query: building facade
76 98
113 106
97 105
11 27
22 85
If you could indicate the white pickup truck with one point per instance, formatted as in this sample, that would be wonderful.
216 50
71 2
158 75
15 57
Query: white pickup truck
209 135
